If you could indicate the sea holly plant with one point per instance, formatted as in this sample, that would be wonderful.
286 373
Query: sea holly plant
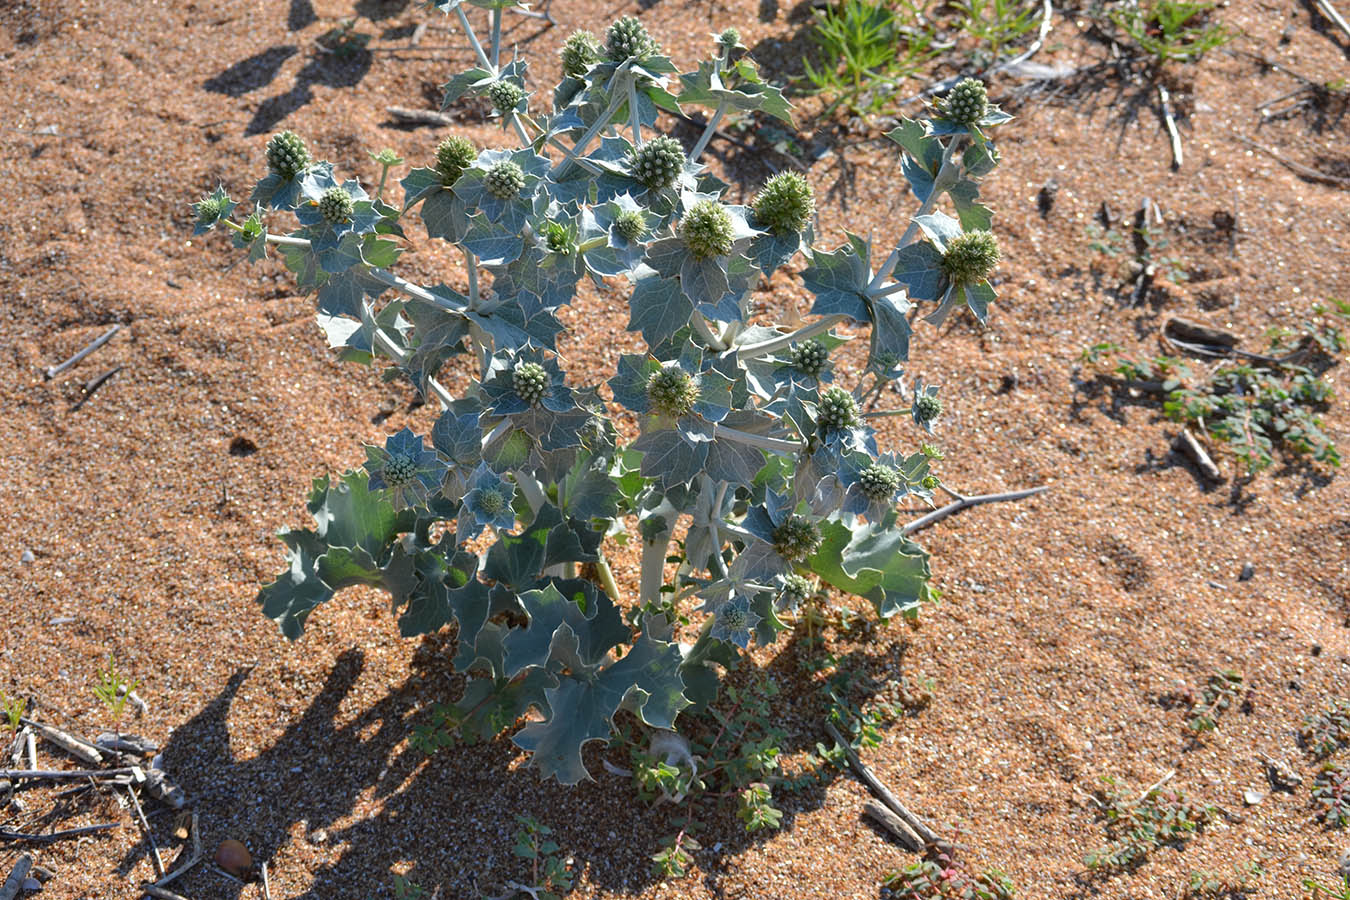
756 452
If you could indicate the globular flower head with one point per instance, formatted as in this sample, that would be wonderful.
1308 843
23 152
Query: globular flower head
810 357
672 391
488 502
837 409
927 407
530 381
971 256
628 39
287 155
211 209
796 539
560 238
707 230
336 205
387 157
631 223
795 588
735 621
929 482
785 204
453 156
729 38
930 451
505 95
504 180
579 52
967 103
878 482
657 163
405 468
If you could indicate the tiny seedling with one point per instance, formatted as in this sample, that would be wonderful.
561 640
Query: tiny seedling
550 873
1171 30
13 709
1136 826
996 26
405 889
940 876
1243 881
1328 731
114 689
1331 795
866 49
1221 691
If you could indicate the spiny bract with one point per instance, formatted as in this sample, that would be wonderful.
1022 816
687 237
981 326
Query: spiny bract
631 223
336 205
810 357
287 155
967 103
579 52
559 239
657 163
492 501
838 409
785 204
672 391
504 180
628 39
971 256
796 539
530 381
453 156
505 95
707 230
878 482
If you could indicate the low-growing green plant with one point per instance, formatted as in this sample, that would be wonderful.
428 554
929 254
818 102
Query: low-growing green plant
866 49
1331 795
754 458
13 709
1328 731
1321 891
1136 826
1221 692
550 873
995 26
1243 881
940 876
405 889
114 689
1171 30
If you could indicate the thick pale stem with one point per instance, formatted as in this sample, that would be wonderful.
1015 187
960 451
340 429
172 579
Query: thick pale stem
473 40
708 132
773 445
607 578
520 129
652 574
554 142
634 120
940 185
496 37
700 326
530 489
386 345
580 149
471 266
766 348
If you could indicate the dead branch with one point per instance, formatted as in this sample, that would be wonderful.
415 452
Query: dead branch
894 824
418 116
928 835
50 837
76 747
52 371
1297 168
195 858
1196 453
149 835
963 502
1170 121
160 893
71 774
17 875
266 885
1326 9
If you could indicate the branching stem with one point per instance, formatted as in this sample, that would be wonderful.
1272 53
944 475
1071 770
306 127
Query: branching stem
579 150
473 40
964 502
773 445
769 347
940 184
708 132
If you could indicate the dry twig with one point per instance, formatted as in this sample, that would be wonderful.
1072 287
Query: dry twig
50 837
963 502
76 747
1170 121
1326 9
14 883
1297 168
920 828
149 836
52 371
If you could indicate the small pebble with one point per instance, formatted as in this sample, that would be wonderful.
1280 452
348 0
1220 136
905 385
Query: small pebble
27 557
1217 585
32 884
1248 570
1252 797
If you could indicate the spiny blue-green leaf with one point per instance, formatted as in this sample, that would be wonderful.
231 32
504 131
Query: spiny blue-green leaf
669 458
296 592
593 632
351 515
973 215
490 706
839 279
519 559
658 309
456 87
918 267
874 561
445 592
445 215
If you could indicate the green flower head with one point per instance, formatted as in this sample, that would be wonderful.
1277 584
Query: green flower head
707 230
796 539
287 155
810 357
336 205
453 156
530 381
491 501
672 391
837 410
796 588
971 256
929 482
785 204
504 180
657 163
729 38
631 223
628 39
967 103
505 95
560 239
927 407
579 52
878 482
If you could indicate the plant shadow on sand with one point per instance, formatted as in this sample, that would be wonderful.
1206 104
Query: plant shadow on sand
349 785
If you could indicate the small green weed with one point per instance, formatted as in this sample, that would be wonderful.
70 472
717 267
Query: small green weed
866 49
1322 892
996 26
13 709
550 873
1241 882
114 689
939 876
1171 30
405 889
1136 826
1327 732
1331 795
343 40
1220 692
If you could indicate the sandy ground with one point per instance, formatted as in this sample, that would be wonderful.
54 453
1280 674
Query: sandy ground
1068 622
